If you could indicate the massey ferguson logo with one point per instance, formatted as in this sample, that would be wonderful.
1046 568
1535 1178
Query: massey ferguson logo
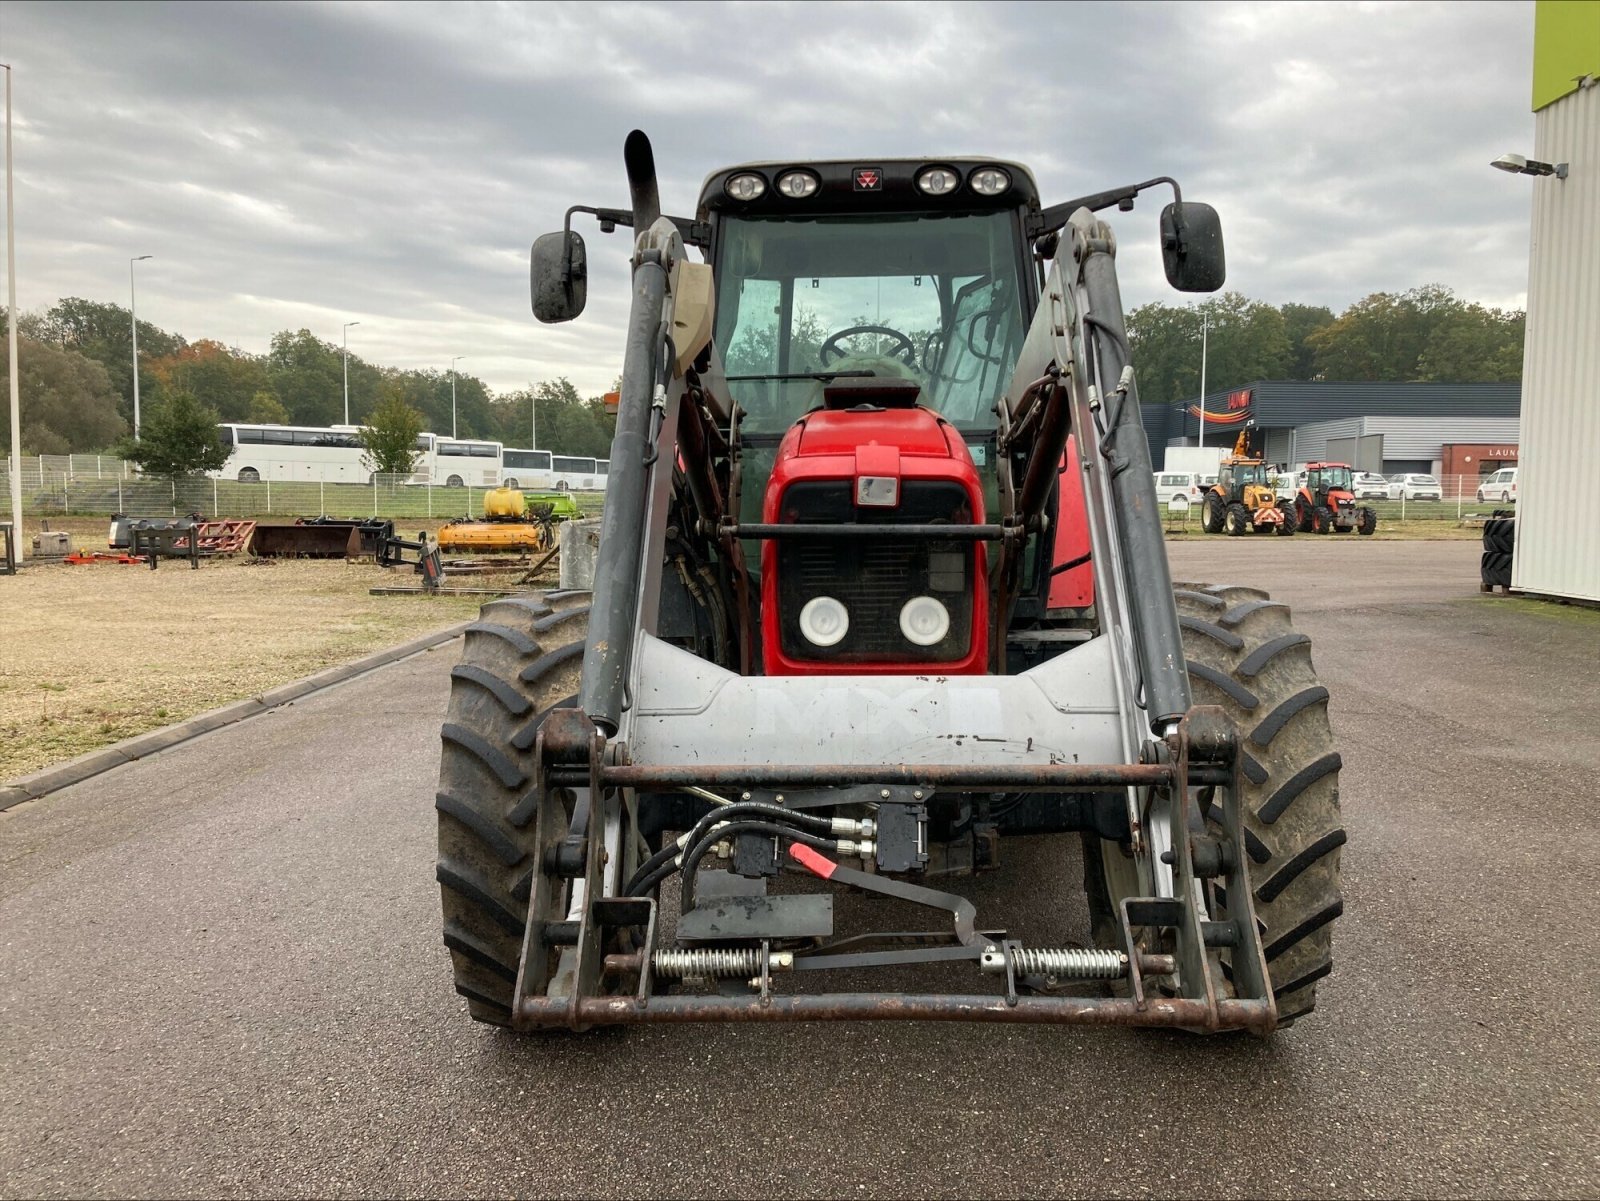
869 179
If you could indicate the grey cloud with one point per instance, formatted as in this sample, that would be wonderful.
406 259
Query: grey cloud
313 164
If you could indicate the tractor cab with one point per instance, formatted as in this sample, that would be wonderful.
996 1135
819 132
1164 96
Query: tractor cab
869 320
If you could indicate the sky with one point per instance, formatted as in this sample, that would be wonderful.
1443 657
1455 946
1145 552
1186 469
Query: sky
307 165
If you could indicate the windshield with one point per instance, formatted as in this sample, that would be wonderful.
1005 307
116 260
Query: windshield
1253 473
930 298
1333 478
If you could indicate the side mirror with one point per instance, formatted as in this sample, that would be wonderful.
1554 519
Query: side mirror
559 277
1191 247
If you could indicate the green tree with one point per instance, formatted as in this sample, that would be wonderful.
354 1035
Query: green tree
306 374
103 332
178 438
226 379
1245 340
390 436
67 401
266 409
1300 321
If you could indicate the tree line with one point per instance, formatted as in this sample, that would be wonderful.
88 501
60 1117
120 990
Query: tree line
1426 335
75 369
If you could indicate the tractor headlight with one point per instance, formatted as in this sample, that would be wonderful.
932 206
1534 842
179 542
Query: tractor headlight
938 181
989 181
746 186
924 621
825 621
797 185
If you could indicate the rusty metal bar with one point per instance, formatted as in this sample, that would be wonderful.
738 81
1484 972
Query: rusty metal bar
882 1007
1011 777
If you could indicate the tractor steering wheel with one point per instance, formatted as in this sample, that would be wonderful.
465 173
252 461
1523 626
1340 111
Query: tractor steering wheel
906 350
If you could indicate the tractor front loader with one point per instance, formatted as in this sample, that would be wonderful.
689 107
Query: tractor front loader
881 583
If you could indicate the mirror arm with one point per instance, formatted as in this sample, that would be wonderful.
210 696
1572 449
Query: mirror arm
1055 217
693 233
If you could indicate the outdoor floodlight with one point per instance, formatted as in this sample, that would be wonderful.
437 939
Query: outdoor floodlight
1519 165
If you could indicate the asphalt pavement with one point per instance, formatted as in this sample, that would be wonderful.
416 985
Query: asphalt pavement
221 974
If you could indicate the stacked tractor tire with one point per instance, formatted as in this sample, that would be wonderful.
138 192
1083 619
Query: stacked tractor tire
1499 540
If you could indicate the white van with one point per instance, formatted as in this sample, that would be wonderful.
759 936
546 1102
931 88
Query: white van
1501 486
1172 484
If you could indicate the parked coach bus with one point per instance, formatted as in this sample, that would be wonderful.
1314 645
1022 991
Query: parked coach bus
574 474
334 454
529 469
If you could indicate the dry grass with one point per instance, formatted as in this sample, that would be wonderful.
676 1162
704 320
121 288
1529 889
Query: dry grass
90 655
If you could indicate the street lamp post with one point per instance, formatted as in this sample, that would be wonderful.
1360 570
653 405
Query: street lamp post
453 363
133 315
15 471
1205 328
533 417
347 326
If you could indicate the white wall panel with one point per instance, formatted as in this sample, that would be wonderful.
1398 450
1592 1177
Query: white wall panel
1560 438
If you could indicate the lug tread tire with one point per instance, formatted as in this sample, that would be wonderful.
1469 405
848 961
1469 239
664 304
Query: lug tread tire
1293 832
522 656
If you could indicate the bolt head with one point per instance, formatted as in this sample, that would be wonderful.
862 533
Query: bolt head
884 794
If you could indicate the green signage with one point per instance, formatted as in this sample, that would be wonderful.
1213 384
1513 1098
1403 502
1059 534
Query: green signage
1566 47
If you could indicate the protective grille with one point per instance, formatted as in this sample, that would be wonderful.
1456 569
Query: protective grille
874 578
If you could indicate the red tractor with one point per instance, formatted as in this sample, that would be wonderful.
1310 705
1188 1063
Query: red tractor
1326 502
881 585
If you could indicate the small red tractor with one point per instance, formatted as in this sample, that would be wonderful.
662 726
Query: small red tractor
881 584
1327 502
1242 500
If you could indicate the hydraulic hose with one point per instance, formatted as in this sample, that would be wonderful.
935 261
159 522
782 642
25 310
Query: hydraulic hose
662 864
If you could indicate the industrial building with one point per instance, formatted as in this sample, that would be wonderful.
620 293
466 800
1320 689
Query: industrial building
1555 554
1388 428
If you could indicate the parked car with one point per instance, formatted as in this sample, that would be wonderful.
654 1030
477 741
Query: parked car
1287 484
1501 486
1368 485
1412 486
1172 484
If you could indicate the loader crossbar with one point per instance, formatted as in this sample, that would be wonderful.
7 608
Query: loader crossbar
1049 777
1257 1016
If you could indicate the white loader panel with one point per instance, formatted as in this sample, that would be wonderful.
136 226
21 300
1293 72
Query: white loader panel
689 711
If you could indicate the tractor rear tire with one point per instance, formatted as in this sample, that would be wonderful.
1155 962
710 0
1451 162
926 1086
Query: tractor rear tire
522 658
1244 656
1211 510
1322 519
1237 521
1302 516
1366 521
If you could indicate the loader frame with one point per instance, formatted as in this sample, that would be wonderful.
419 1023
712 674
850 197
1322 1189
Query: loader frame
654 725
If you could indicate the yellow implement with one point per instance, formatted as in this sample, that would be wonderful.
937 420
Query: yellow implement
504 527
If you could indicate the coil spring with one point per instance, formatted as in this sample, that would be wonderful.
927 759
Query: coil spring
1066 963
728 961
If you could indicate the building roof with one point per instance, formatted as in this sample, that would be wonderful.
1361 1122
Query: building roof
1278 403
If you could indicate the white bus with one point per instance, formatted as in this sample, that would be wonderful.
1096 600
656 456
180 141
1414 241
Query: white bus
334 454
457 461
574 474
291 452
526 469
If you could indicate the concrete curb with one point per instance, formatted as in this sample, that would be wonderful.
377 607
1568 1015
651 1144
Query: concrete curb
141 746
